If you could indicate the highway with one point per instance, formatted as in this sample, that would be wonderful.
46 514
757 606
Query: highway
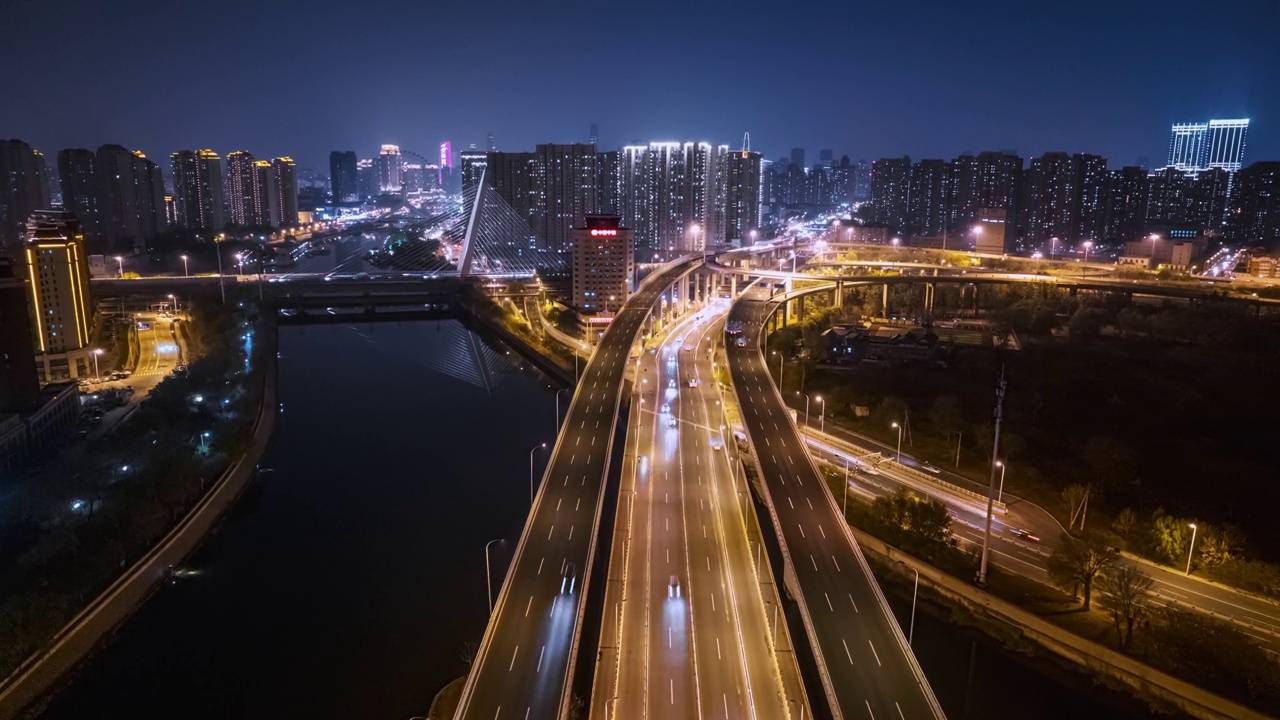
522 668
864 661
700 647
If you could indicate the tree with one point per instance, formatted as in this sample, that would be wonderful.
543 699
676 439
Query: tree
1076 497
1087 323
1108 461
1126 590
1220 545
1076 563
946 416
1126 523
1168 536
890 410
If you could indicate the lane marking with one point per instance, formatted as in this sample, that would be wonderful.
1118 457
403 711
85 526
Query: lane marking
837 562
540 654
846 650
544 559
829 605
513 658
551 530
815 562
851 602
874 653
527 606
873 715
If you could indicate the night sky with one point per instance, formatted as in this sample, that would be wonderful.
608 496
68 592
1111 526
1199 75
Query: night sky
287 77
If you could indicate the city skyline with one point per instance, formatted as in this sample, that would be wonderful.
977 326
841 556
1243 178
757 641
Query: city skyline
872 91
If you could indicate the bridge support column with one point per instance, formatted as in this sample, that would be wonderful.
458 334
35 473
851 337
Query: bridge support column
838 299
733 286
884 303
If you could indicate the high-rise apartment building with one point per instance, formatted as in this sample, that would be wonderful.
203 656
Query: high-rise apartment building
1255 204
23 190
342 176
78 179
861 181
265 194
842 181
890 193
285 178
564 191
243 204
673 196
1218 144
603 264
1186 146
797 158
19 382
927 198
1171 196
1087 204
608 182
1125 204
61 306
473 163
1051 197
742 196
390 170
131 196
198 189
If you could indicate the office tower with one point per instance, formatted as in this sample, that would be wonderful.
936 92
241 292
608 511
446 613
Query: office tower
1051 194
608 179
473 163
62 308
390 170
603 264
1186 146
19 382
446 160
594 137
927 198
1087 202
1255 204
197 189
23 190
367 177
242 201
825 157
991 231
890 193
342 176
1125 204
285 178
797 157
742 197
1224 144
78 178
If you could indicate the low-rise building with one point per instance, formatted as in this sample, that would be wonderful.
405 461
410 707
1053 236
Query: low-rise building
848 343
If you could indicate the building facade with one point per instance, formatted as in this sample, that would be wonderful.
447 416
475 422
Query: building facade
19 381
342 176
61 304
23 190
198 190
603 264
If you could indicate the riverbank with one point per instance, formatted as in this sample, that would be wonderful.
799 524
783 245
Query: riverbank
445 703
88 629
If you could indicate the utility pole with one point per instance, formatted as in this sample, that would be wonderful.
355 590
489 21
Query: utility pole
991 489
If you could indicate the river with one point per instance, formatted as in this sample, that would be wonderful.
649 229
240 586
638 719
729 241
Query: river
350 580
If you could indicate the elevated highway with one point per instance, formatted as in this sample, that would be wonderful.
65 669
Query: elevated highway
524 666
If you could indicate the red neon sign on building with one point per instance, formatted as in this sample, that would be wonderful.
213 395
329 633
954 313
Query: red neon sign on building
603 232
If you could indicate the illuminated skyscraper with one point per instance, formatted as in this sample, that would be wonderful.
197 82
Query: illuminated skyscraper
890 193
244 211
1186 145
285 178
446 161
342 176
742 196
390 170
1217 143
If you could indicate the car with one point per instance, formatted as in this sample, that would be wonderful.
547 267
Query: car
688 348
568 578
716 444
1025 534
741 342
671 382
666 407
929 467
673 587
671 421
693 382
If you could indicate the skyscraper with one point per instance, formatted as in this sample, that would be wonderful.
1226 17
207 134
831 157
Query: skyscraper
265 195
742 196
1126 204
673 195
130 196
797 157
1088 206
1051 192
19 383
285 179
23 190
927 198
197 189
58 273
390 170
1255 211
473 164
342 176
1186 146
608 182
1217 143
445 169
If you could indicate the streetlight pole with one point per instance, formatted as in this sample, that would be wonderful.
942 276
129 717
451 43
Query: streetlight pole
1003 467
488 577
844 506
915 593
775 352
120 265
531 452
822 415
185 270
1191 549
558 408
96 352
222 288
806 411
899 427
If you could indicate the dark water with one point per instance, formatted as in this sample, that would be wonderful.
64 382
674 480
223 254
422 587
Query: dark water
349 580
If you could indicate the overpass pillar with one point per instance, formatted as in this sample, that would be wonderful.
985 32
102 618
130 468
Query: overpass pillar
838 299
884 303
733 286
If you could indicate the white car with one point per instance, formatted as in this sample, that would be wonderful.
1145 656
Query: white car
666 408
693 382
568 578
673 587
671 382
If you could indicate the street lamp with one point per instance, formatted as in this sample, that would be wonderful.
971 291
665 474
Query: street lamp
806 410
488 578
204 443
1000 464
844 506
911 631
96 352
822 414
1192 548
240 264
120 265
775 352
1154 238
185 270
531 452
1086 245
173 302
899 427
558 407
